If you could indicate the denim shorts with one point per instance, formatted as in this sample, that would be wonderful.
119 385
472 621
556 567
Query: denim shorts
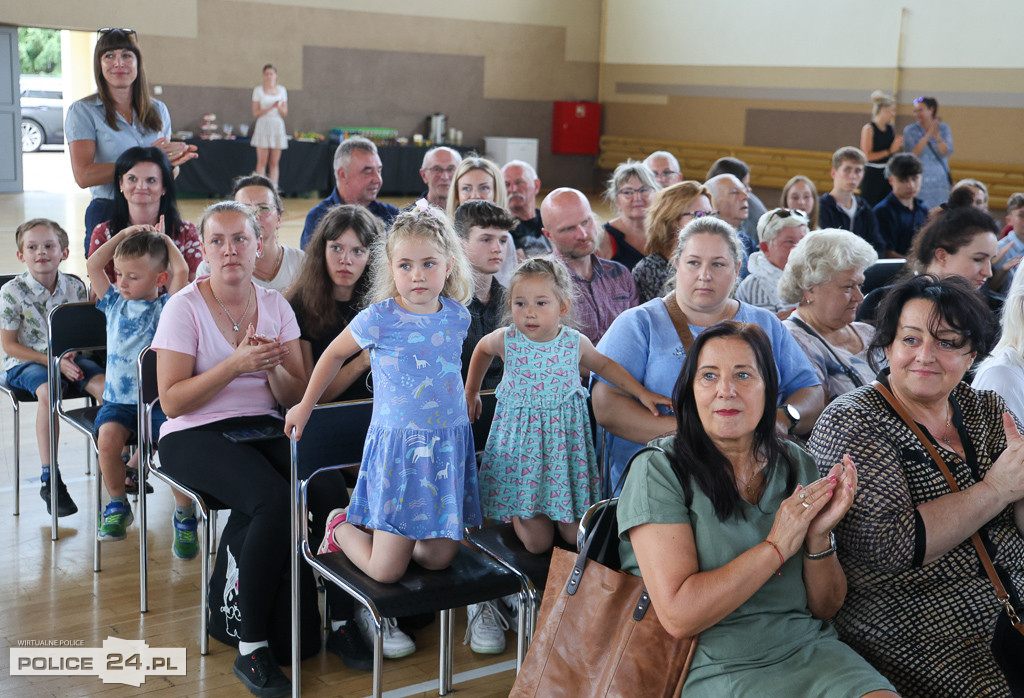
128 417
30 375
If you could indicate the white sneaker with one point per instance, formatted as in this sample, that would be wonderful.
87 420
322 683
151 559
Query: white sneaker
485 631
509 609
396 643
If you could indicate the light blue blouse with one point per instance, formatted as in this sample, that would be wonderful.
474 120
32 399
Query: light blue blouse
87 121
644 341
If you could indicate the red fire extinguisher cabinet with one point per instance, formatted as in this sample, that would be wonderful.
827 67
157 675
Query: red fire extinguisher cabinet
576 128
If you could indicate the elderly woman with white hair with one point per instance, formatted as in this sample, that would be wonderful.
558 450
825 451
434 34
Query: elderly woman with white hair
778 232
629 191
1003 370
823 277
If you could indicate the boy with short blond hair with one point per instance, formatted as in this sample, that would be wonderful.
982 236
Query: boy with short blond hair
145 260
841 207
25 302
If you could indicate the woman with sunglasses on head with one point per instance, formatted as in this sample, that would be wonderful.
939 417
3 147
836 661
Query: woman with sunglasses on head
931 140
120 115
630 189
671 209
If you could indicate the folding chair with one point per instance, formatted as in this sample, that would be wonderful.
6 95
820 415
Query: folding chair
206 509
16 397
73 327
333 438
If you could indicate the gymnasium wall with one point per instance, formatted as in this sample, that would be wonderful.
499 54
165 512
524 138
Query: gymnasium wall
800 75
496 74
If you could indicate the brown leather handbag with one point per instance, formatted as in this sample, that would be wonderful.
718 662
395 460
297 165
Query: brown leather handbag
597 632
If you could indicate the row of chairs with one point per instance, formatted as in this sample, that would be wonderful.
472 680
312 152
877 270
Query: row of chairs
493 564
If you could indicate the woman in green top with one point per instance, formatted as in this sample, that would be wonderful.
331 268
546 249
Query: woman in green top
733 539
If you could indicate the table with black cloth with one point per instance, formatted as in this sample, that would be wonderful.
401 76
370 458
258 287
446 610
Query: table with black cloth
305 168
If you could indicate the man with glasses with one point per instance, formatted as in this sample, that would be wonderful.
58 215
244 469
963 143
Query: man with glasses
603 288
358 171
665 168
438 169
741 171
523 185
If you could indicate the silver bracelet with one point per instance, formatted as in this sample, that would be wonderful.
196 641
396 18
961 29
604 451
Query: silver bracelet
824 553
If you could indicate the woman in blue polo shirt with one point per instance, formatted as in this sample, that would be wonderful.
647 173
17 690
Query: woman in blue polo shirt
118 116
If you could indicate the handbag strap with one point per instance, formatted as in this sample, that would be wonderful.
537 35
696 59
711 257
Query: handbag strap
848 370
678 317
979 546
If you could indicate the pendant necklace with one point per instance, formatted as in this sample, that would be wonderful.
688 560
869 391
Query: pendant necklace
234 324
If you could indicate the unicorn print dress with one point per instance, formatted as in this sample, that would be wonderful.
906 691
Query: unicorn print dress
418 475
540 457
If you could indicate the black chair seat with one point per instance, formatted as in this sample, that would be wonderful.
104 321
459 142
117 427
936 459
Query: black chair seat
83 416
420 590
502 542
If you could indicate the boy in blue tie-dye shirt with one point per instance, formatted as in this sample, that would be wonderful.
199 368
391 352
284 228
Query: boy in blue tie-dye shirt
145 261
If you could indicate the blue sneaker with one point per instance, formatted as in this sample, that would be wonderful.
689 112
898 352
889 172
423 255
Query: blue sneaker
117 517
186 542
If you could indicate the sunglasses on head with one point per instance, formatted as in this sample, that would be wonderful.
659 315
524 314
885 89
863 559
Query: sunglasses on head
123 30
787 212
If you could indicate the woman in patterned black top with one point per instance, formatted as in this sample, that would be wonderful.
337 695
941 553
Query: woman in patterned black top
920 607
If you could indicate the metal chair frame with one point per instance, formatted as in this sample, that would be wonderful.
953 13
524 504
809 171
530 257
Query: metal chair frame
73 327
346 445
148 398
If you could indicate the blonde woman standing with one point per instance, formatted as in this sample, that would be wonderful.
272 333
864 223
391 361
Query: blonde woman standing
878 140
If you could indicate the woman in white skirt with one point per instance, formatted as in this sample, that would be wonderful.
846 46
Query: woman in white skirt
269 106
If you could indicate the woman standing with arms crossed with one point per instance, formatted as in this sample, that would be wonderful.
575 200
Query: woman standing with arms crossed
269 107
878 140
119 116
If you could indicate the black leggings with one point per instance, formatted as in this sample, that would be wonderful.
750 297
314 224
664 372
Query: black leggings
253 479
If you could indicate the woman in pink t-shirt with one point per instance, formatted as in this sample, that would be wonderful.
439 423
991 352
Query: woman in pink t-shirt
227 355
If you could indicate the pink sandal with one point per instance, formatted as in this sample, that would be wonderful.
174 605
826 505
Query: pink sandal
334 519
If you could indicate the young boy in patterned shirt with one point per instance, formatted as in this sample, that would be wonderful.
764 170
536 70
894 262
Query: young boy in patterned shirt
145 260
25 302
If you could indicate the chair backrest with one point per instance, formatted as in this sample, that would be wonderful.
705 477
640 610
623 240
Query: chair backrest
482 426
148 393
334 435
881 273
600 522
79 326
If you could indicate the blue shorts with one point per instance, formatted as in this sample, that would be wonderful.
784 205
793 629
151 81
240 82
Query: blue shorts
30 375
128 417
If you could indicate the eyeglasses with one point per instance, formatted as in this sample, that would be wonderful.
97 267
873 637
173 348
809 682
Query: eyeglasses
123 30
437 170
699 214
666 173
260 209
630 193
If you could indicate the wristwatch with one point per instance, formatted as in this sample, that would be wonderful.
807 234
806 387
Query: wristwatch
824 553
794 417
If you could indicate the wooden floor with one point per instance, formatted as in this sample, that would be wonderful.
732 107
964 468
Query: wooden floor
48 590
